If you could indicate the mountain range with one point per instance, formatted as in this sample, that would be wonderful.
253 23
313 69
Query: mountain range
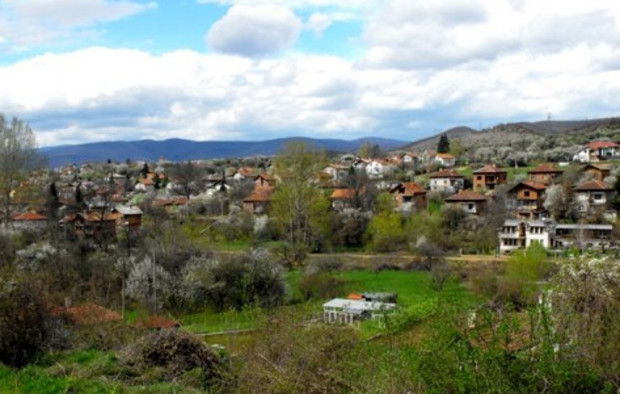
179 149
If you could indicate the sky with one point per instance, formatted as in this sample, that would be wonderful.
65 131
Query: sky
100 70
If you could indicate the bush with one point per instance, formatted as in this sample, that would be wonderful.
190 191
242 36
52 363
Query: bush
320 286
176 353
26 327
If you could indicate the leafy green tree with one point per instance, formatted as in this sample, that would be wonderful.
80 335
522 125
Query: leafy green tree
298 208
443 146
385 231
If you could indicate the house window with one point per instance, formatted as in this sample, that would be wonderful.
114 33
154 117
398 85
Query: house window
598 197
470 206
479 177
526 193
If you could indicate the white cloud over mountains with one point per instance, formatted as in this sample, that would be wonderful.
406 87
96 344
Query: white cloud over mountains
424 65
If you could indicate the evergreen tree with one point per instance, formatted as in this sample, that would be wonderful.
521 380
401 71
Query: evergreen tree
443 146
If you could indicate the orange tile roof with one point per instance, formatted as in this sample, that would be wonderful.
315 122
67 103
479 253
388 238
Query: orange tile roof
594 185
490 169
466 195
531 185
408 189
602 144
355 296
29 216
260 194
446 174
445 156
342 194
545 168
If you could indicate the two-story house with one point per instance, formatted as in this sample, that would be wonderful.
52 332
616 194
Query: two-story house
448 181
488 177
597 171
409 195
596 151
525 200
544 173
519 234
594 196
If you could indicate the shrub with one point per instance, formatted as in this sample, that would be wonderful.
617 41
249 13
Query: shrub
175 352
26 327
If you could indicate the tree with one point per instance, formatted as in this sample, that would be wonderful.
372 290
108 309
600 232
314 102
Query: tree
385 230
298 208
18 155
443 146
189 178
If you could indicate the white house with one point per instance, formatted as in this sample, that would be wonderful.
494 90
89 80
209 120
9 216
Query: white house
341 310
377 168
445 159
448 181
596 151
518 234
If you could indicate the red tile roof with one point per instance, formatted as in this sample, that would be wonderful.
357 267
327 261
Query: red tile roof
408 189
466 195
342 194
446 174
545 168
602 144
490 169
530 185
594 185
29 217
445 156
260 194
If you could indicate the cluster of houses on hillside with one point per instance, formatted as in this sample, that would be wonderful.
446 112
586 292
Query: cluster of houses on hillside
89 209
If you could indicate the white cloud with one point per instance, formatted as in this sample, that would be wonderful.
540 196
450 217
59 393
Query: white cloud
36 22
301 4
429 64
254 30
446 33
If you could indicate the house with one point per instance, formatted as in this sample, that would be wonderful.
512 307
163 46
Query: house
145 185
93 224
172 205
264 180
130 216
470 201
342 198
258 201
526 200
409 195
583 235
519 234
346 311
243 173
29 221
377 168
409 158
544 173
448 181
594 196
445 159
598 171
596 151
488 177
337 172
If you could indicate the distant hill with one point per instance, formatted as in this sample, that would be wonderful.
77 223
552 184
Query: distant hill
179 149
509 133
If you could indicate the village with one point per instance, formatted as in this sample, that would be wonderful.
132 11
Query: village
560 205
